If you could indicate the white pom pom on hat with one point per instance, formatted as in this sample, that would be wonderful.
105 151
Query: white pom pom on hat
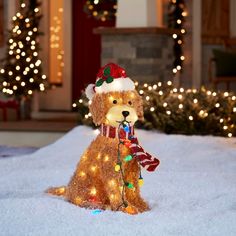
110 78
89 91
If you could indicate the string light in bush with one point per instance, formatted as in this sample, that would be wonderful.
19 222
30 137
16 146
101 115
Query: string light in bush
188 111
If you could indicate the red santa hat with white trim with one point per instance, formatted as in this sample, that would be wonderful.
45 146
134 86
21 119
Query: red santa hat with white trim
110 78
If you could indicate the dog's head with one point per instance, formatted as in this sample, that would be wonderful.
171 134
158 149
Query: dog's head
113 107
114 98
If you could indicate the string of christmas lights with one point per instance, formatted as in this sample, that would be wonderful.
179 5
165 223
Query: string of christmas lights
22 72
101 9
176 19
119 166
181 111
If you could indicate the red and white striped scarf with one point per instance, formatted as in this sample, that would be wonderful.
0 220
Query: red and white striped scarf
146 160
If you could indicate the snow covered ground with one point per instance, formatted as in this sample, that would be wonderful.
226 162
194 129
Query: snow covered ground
192 193
6 151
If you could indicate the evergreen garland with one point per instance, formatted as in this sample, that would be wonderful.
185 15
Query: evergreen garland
179 111
101 9
176 19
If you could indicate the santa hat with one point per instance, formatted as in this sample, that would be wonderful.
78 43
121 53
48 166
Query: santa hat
110 78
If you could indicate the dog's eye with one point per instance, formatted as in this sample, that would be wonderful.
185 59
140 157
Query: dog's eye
130 103
114 102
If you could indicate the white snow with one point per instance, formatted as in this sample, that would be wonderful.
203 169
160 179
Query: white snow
192 193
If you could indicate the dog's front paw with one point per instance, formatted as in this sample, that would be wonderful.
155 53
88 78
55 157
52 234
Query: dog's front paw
130 210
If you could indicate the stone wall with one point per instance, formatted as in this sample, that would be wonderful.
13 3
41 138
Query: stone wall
145 56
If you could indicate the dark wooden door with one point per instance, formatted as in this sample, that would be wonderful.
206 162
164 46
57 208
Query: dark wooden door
215 20
86 48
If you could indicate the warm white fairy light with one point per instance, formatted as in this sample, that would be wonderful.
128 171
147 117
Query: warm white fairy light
152 109
169 83
141 91
174 36
179 41
190 117
174 70
226 94
147 98
181 106
180 96
217 105
230 135
225 127
208 92
165 104
154 86
41 87
221 120
160 93
179 21
80 101
195 101
168 112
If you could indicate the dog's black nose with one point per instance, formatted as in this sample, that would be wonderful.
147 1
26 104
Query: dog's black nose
125 113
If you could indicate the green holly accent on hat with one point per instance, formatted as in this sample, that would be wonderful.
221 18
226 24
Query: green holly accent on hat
99 82
105 77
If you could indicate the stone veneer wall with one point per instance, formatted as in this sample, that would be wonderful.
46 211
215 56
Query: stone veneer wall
145 56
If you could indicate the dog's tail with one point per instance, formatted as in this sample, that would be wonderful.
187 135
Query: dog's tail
58 191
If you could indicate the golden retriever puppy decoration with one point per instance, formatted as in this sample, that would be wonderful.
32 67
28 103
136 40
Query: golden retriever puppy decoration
108 176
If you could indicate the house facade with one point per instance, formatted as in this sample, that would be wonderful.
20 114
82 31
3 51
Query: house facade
73 48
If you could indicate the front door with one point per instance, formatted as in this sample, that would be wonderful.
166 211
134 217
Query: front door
86 48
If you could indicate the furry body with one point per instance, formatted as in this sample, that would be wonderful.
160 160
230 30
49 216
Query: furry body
95 183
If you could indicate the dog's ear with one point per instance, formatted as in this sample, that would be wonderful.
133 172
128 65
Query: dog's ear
139 106
97 109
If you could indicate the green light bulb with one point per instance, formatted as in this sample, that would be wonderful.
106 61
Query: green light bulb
128 158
